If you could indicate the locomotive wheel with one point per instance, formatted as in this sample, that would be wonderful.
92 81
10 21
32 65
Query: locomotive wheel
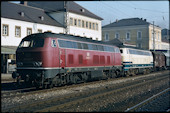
75 79
133 72
145 71
127 73
113 75
19 80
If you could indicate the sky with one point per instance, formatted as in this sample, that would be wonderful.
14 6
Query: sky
157 11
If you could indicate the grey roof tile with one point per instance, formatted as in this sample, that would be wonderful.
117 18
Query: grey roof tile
54 6
127 22
31 14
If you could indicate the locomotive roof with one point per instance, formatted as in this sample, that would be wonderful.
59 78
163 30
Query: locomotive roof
65 36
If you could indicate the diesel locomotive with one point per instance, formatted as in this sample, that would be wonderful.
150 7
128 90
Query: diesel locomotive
49 59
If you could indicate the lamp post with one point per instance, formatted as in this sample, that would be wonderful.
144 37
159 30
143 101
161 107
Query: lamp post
153 37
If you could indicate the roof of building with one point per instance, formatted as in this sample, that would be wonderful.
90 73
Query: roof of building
31 14
128 22
165 32
120 44
57 6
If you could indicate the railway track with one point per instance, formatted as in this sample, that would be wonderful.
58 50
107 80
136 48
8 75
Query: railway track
33 90
73 99
147 101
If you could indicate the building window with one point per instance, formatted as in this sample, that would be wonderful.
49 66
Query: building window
117 35
93 26
39 30
96 26
75 22
87 24
29 31
128 36
139 35
71 21
97 39
106 37
83 23
79 23
139 45
5 31
17 31
155 36
158 36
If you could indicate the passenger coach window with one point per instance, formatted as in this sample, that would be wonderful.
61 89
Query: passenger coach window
69 44
100 48
84 46
79 45
90 46
61 43
94 47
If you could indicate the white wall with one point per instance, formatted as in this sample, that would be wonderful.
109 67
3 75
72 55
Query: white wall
11 40
165 46
75 30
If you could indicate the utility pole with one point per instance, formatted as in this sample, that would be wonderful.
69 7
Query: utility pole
153 37
66 17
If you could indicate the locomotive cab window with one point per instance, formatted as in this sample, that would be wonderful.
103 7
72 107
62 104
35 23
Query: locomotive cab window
32 43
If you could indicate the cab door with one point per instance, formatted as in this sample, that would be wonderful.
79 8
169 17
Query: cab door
62 53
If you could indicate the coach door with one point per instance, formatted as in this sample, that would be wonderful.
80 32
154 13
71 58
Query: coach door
62 58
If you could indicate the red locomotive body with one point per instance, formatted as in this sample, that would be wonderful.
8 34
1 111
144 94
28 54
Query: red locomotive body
49 59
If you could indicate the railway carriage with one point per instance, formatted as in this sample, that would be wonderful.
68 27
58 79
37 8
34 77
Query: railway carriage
159 60
136 61
48 59
167 61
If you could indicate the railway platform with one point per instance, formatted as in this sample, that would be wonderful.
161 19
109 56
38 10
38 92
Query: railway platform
6 76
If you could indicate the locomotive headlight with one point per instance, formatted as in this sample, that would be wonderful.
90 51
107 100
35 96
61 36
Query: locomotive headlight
19 64
38 64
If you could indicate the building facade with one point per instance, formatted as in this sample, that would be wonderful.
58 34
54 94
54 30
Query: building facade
75 19
135 31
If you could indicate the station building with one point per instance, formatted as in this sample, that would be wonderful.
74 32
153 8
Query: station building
20 20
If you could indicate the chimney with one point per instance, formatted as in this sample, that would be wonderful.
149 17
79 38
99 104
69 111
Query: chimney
117 20
24 3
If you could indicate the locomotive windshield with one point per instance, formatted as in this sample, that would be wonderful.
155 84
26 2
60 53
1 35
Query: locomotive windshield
31 43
